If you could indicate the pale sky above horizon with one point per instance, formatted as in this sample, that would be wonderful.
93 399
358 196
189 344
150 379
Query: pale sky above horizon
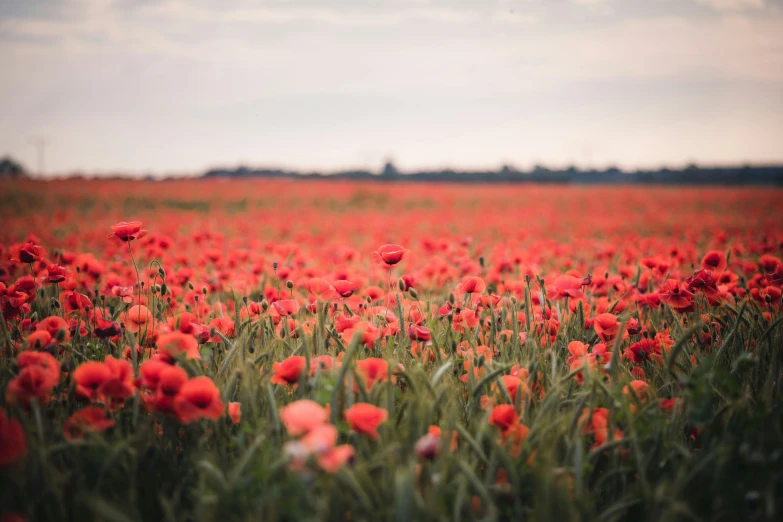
174 86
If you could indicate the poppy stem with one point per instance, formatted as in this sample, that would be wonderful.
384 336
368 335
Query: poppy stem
138 280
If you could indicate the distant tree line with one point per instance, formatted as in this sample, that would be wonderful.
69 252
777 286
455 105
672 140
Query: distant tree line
691 175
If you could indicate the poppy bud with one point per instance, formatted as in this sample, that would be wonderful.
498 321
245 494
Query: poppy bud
451 298
415 294
481 261
156 289
103 298
60 335
190 285
168 299
768 299
78 270
55 303
513 300
251 349
164 289
195 297
705 329
401 285
203 290
289 284
274 265
162 272
244 299
265 305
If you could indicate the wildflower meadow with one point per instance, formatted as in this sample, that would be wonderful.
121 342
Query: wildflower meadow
206 350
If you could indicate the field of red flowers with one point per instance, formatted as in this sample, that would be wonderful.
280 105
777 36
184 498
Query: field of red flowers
274 350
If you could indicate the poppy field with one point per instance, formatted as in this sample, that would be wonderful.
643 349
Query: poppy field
208 350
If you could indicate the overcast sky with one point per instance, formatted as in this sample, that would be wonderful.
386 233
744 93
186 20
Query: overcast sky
169 86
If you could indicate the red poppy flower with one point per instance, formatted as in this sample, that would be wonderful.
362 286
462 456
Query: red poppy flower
149 373
606 326
32 383
672 294
56 274
566 286
105 328
372 370
471 285
174 344
365 418
170 381
344 288
597 424
120 385
43 360
321 363
714 260
286 307
669 405
90 376
13 444
303 416
643 350
124 293
289 370
504 416
56 326
137 318
223 325
336 458
235 412
389 254
419 333
127 231
577 350
91 418
27 253
514 385
319 286
76 301
39 340
198 398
